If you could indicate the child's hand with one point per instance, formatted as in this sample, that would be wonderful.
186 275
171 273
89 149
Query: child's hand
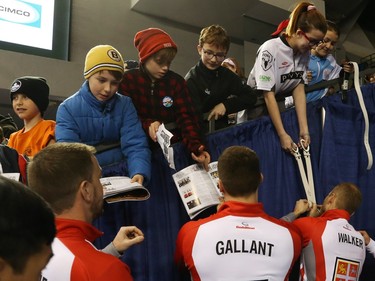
309 75
203 157
365 236
348 67
305 139
218 111
137 178
153 129
287 143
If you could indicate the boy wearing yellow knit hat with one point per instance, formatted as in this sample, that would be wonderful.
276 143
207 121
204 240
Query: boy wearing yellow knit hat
97 115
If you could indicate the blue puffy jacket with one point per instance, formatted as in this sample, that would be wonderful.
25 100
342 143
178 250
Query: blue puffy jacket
82 118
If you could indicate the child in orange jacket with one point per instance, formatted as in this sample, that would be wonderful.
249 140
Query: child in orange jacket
30 98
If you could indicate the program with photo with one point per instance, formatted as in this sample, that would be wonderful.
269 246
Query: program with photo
198 188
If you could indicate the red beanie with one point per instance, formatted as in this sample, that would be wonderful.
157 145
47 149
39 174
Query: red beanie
150 41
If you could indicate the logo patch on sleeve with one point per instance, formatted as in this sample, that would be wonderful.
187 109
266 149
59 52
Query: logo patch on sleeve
346 270
267 60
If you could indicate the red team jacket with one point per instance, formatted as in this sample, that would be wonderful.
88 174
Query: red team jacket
332 249
239 242
76 259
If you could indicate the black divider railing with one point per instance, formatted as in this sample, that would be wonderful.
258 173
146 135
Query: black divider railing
321 85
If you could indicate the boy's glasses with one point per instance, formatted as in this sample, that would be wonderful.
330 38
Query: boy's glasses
312 42
209 54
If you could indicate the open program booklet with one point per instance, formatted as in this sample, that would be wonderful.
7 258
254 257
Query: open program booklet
198 189
120 188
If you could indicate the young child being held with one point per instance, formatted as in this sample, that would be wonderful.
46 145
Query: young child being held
29 96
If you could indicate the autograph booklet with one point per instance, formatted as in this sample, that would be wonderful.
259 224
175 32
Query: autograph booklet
198 188
117 189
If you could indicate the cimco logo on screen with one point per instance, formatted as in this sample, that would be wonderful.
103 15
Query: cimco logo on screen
20 12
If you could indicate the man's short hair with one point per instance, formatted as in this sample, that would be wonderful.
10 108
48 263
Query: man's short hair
239 171
349 197
57 170
27 223
214 35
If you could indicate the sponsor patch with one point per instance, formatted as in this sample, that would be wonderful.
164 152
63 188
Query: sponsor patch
291 76
264 78
245 225
267 60
346 270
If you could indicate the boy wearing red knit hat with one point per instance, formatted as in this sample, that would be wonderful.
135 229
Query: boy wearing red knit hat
160 95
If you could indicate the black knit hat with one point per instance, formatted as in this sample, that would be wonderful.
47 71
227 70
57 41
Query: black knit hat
35 88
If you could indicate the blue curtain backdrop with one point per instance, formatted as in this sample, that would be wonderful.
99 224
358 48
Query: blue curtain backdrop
337 155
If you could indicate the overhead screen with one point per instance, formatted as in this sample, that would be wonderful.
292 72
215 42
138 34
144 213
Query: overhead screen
38 27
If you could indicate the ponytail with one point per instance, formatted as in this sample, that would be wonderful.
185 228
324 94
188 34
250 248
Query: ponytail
305 16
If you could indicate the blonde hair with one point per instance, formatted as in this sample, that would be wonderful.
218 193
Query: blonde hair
349 197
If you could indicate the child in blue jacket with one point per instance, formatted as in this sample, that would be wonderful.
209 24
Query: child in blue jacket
97 115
